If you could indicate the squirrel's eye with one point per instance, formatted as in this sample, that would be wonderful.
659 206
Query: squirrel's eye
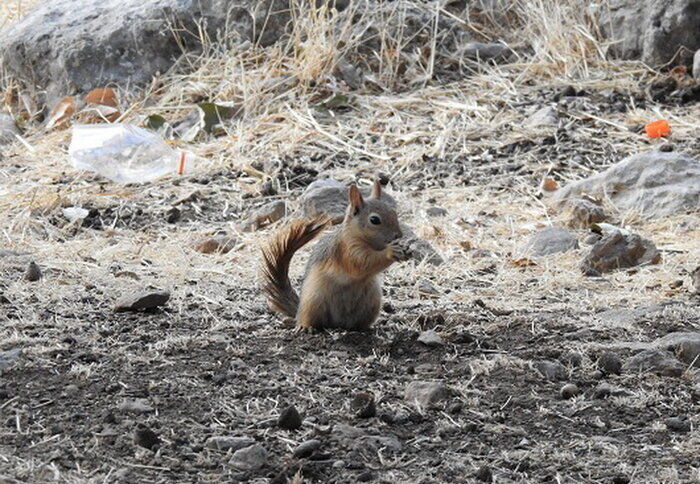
374 219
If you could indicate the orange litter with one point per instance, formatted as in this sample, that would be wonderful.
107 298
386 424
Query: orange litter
181 166
657 128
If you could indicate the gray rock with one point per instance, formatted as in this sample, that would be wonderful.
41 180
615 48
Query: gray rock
430 338
347 72
436 212
427 288
250 458
136 405
363 405
625 317
619 251
33 272
376 443
486 51
604 390
307 448
551 370
547 116
609 363
552 240
569 391
289 419
678 424
220 244
265 215
654 185
67 46
427 393
140 300
8 129
696 65
581 213
653 31
686 346
655 361
330 197
422 251
695 277
10 357
225 443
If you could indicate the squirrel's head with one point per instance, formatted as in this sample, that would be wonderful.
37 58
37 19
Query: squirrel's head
371 220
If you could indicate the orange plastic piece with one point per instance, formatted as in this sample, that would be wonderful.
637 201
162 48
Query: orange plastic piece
658 128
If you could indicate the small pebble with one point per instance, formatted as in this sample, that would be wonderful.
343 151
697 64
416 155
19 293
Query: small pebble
306 449
289 419
363 405
678 424
610 363
145 437
569 391
484 474
430 338
436 212
33 272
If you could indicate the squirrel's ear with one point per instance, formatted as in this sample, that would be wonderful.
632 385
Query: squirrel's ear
355 198
377 189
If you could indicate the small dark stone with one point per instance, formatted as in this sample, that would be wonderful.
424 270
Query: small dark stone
569 391
609 363
33 272
289 419
436 212
147 299
306 449
267 189
363 405
667 147
365 476
678 424
484 474
621 479
172 215
145 437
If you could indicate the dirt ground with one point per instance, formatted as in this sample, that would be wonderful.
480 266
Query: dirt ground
215 362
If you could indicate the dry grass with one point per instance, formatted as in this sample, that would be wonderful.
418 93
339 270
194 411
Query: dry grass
403 124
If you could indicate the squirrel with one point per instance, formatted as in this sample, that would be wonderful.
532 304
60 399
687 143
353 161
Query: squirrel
340 289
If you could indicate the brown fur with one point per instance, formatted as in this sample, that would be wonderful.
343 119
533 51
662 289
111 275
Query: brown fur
340 288
277 257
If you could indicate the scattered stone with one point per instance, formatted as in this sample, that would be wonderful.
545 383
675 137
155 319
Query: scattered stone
250 458
365 476
609 363
605 390
427 288
62 46
347 72
592 239
619 251
652 184
696 65
265 215
225 443
678 424
8 358
551 370
551 240
486 51
363 405
8 129
306 449
220 244
330 197
655 32
547 116
145 437
33 272
289 419
695 276
581 213
484 474
569 391
376 443
267 189
686 346
655 361
430 338
421 251
436 212
137 405
172 215
142 300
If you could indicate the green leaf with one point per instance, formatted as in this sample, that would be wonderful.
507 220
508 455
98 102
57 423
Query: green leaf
155 122
214 114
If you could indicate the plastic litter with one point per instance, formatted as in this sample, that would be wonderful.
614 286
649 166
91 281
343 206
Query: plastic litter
125 153
657 128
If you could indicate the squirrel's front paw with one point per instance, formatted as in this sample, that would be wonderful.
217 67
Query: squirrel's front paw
398 250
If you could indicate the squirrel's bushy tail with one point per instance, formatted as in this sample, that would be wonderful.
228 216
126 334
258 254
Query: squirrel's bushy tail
276 258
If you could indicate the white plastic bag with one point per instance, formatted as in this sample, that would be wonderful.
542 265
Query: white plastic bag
125 153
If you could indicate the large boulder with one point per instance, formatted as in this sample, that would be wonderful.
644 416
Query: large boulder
654 185
652 30
68 46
